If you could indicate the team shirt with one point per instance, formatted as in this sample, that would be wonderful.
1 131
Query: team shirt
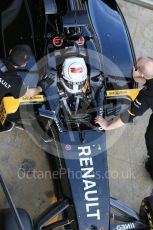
143 101
10 83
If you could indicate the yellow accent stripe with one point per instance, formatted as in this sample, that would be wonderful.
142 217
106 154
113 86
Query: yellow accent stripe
56 218
132 93
10 105
3 114
132 114
86 86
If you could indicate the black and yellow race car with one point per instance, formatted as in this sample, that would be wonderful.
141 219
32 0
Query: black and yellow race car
85 46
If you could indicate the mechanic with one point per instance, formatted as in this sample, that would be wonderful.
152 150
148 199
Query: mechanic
143 71
11 83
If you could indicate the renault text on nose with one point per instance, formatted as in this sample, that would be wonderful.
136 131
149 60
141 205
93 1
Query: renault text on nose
89 182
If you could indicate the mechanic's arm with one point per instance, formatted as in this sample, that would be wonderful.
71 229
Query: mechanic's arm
42 86
137 108
32 92
109 126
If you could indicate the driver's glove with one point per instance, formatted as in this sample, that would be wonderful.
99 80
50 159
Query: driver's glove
47 80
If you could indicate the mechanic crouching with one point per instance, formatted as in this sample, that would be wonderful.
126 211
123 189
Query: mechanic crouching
142 72
11 83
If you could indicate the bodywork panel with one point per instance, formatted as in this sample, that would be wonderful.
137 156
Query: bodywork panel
113 38
86 163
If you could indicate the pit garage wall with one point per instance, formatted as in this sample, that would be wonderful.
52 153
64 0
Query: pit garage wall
144 3
140 23
126 150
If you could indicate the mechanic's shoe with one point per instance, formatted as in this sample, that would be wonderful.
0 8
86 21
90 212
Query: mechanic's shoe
46 138
19 126
7 127
148 167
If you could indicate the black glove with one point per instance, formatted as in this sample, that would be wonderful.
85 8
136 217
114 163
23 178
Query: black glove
47 81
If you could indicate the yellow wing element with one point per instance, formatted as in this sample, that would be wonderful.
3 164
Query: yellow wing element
56 218
132 93
10 105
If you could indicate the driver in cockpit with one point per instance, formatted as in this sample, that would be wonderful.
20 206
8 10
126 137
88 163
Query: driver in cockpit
74 80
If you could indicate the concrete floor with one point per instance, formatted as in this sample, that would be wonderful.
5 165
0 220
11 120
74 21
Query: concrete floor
127 153
126 147
26 170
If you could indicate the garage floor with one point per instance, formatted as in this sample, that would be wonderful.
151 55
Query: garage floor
26 170
129 181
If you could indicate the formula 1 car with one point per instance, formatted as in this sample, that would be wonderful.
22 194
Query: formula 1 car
85 47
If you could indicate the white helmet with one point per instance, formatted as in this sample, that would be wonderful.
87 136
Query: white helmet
74 74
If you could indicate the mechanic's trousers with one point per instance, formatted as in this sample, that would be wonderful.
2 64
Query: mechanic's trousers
8 125
149 139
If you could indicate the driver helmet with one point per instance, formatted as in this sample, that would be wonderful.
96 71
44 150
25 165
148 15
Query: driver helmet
74 73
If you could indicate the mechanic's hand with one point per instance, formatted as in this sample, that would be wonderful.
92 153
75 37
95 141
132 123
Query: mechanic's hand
32 92
137 76
102 122
29 93
47 81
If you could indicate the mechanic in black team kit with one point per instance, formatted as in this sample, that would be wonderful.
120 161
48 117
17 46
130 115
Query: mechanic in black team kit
11 83
143 71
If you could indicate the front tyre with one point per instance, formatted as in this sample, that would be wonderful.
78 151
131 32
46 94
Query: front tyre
8 222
